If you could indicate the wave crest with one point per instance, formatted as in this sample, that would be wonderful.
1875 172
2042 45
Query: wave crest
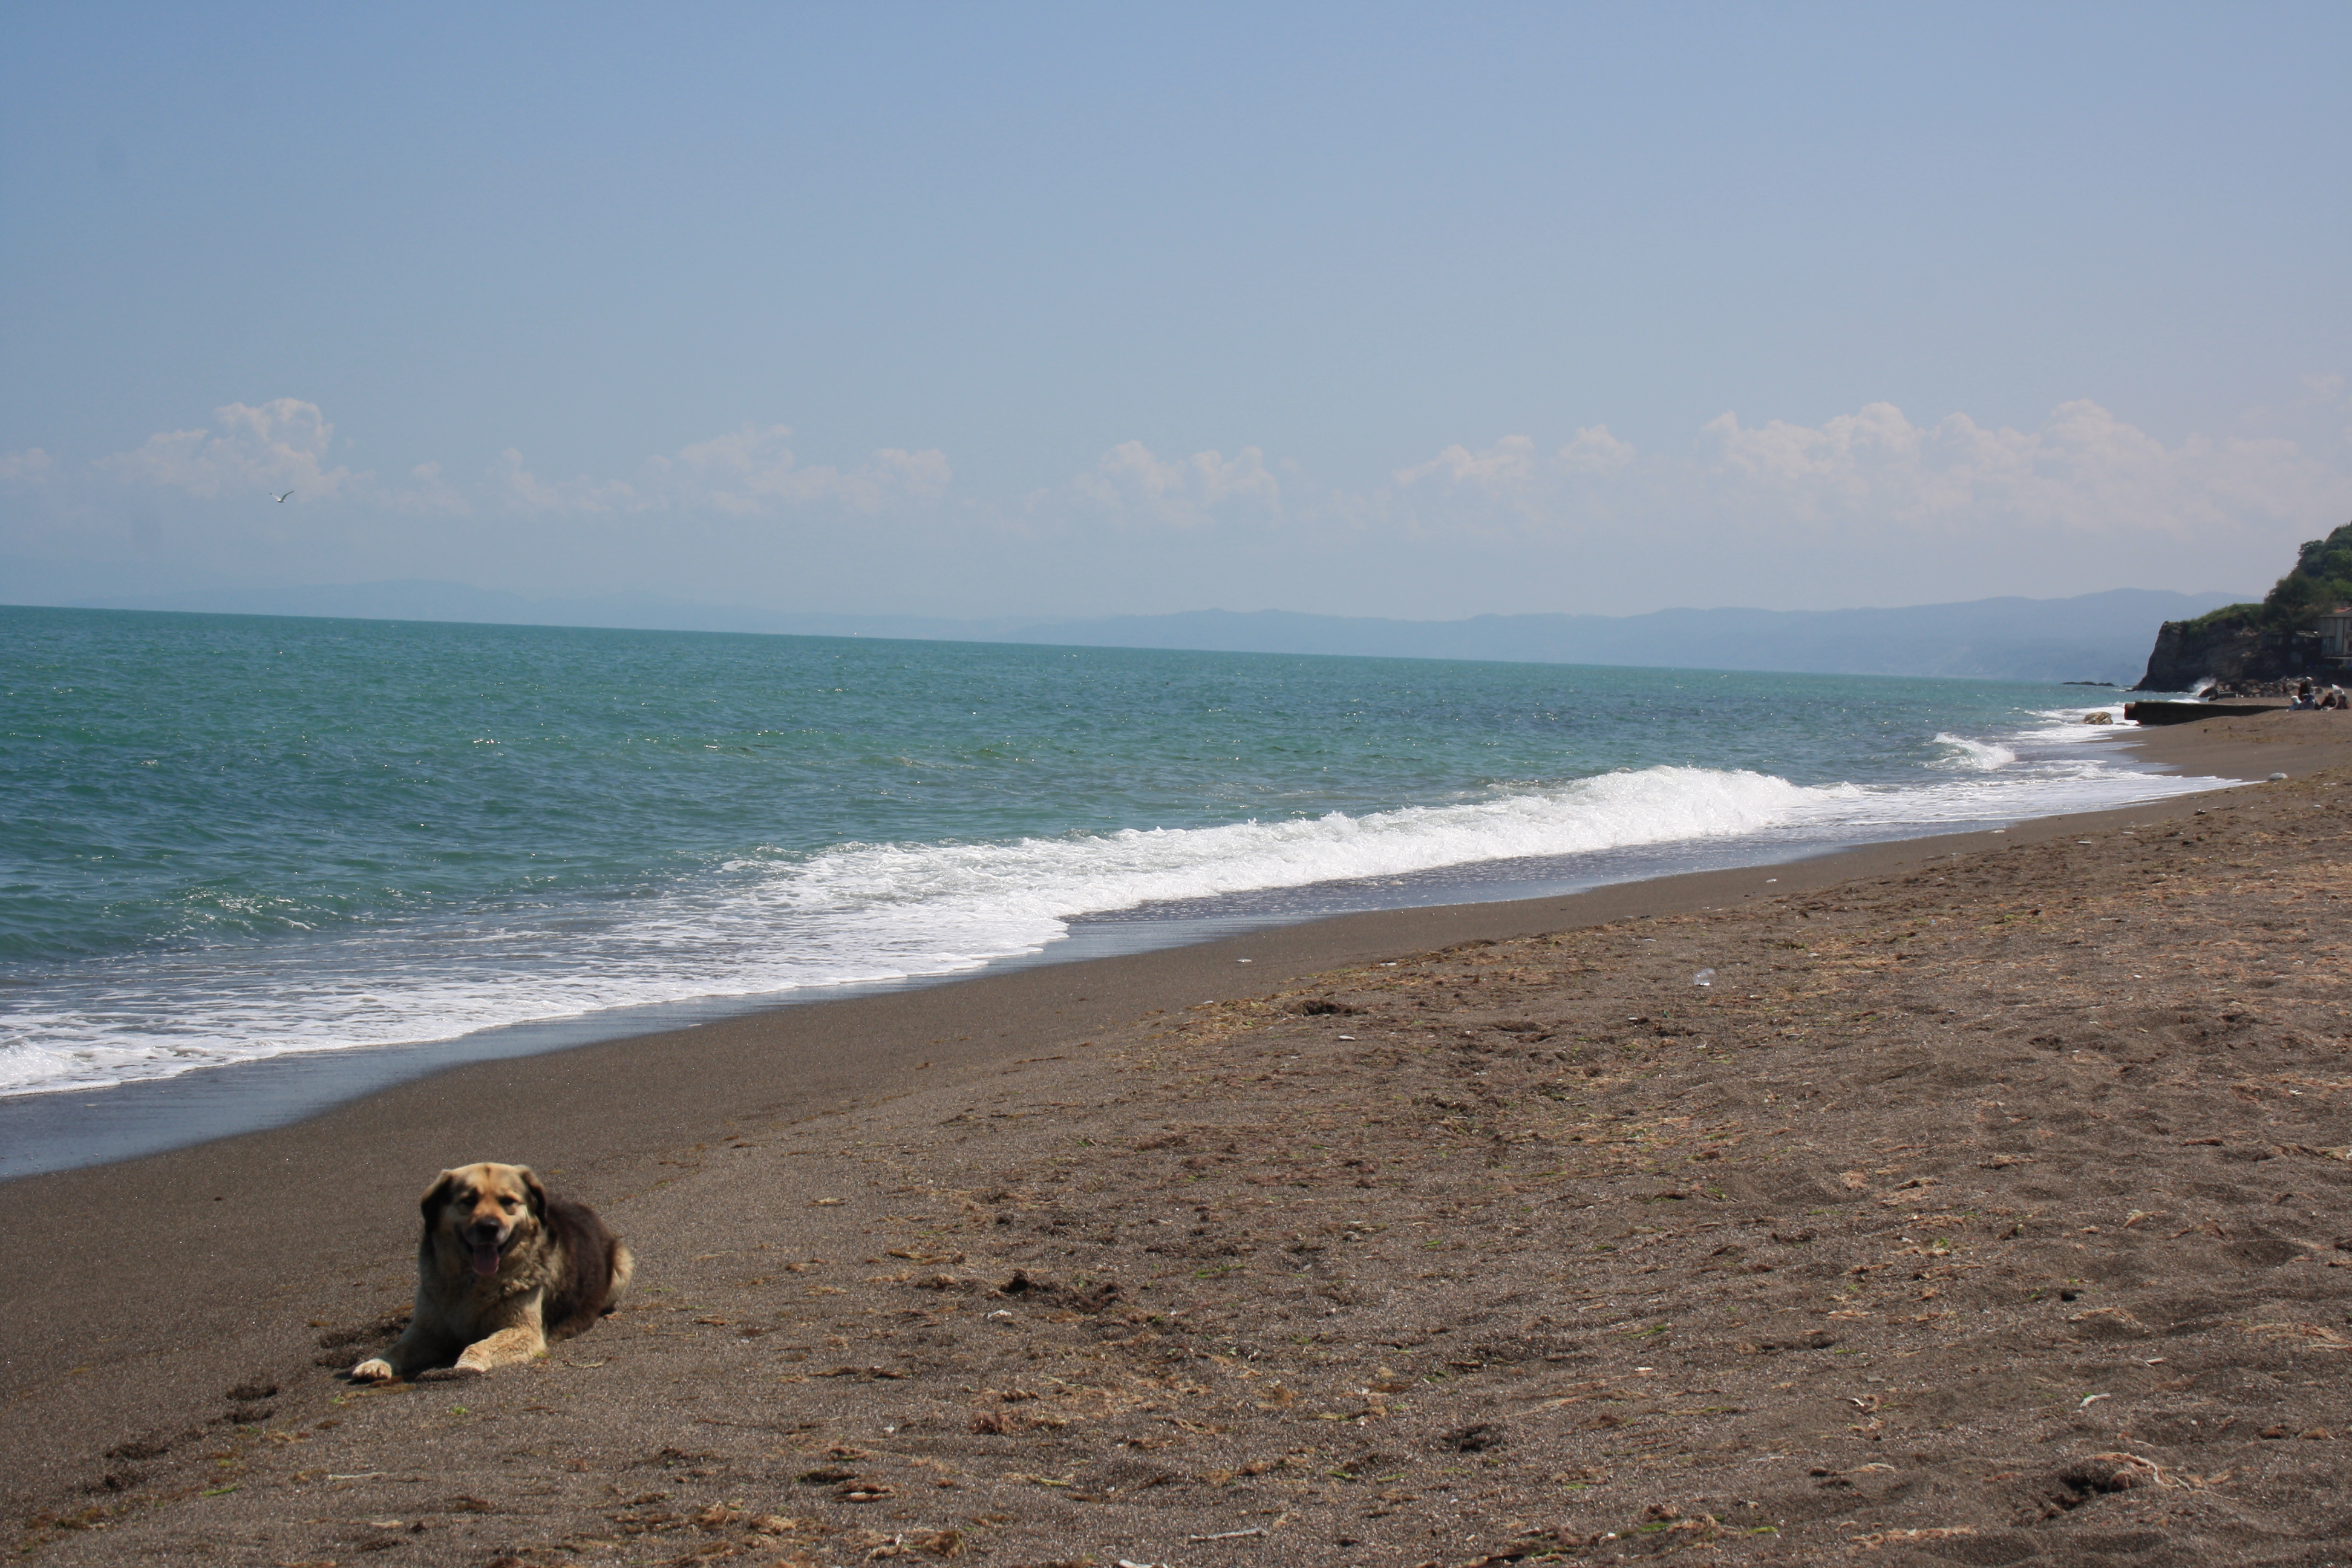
764 925
1972 756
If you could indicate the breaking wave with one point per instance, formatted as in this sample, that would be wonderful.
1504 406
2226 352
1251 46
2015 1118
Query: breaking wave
771 923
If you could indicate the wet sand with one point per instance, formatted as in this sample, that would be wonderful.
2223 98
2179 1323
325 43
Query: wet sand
1379 1247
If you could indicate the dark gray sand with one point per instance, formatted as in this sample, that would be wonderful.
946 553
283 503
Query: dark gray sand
1988 1206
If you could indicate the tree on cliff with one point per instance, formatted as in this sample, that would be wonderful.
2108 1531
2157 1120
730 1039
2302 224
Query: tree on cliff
2320 580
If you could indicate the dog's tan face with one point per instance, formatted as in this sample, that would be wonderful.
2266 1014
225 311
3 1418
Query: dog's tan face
480 1210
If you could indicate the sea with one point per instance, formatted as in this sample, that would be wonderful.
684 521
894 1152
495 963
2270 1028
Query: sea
234 838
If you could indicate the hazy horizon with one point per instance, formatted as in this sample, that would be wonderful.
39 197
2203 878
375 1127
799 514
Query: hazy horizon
1057 312
2102 638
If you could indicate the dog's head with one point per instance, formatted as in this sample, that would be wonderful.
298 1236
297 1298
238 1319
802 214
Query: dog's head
482 1209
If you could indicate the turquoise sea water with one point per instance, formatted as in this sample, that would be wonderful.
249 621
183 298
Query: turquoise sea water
229 837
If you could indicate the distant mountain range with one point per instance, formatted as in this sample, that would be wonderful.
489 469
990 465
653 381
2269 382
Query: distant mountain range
2095 637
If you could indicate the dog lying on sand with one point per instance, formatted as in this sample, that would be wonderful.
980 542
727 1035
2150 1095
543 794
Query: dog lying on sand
502 1269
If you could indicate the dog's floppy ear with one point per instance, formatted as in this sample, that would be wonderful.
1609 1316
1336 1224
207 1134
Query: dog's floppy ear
435 1195
536 1193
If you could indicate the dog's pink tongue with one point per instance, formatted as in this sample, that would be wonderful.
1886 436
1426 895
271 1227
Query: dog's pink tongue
486 1260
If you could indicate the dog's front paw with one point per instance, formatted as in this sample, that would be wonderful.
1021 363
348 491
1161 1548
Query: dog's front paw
377 1370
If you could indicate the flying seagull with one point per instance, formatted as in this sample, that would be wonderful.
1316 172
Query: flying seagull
280 500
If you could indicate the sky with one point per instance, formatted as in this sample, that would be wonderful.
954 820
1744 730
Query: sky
1422 312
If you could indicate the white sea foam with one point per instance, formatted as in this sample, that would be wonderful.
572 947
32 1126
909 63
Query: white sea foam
2070 725
1979 756
866 913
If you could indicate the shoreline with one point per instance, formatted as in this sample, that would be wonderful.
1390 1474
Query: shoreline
62 1130
2114 1025
57 1130
157 1118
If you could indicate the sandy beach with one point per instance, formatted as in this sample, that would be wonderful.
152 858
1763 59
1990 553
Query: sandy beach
1986 1205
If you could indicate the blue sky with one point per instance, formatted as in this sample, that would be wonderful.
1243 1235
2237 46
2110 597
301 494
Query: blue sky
1421 311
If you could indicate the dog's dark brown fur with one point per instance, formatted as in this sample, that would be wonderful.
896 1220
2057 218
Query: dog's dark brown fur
502 1268
599 1267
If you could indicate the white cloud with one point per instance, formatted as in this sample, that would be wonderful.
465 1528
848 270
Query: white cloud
1512 465
1594 451
1512 487
427 491
750 472
1874 474
1509 463
1865 507
2083 471
525 491
1132 485
1819 503
30 467
281 444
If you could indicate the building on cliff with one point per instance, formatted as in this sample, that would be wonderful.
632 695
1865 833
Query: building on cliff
2335 630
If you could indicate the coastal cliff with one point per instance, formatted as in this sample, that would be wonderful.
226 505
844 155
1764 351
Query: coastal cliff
2274 640
2230 645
